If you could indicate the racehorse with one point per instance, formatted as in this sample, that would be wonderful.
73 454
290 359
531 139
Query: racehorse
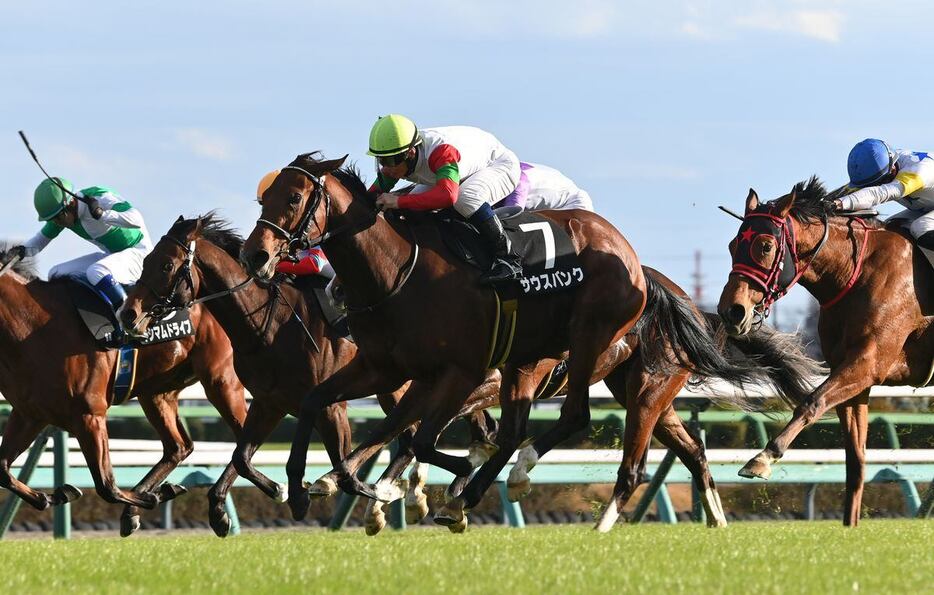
275 358
53 372
415 311
875 290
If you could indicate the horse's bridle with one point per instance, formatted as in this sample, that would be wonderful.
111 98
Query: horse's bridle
784 272
299 238
169 303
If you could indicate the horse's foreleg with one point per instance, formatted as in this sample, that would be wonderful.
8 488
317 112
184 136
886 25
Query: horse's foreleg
162 412
334 429
91 432
844 383
353 381
854 421
19 433
261 419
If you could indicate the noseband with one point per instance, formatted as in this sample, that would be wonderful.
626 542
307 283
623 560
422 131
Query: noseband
298 239
169 303
774 281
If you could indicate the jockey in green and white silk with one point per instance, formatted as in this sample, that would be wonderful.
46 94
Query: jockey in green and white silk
120 234
906 177
461 167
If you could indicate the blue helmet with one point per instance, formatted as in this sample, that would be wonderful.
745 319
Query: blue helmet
869 162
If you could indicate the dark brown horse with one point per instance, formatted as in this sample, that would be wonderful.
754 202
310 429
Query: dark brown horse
279 354
875 288
417 312
53 372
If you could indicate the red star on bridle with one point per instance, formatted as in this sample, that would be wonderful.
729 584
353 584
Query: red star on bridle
747 235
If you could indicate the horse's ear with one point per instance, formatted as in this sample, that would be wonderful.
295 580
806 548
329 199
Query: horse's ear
752 201
179 220
784 204
331 164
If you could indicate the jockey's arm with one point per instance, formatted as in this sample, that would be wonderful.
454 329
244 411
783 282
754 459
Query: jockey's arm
122 214
382 184
443 162
36 243
905 184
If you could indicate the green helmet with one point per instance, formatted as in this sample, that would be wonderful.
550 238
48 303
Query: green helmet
391 135
49 198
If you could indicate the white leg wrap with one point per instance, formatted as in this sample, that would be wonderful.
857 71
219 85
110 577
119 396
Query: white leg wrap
609 517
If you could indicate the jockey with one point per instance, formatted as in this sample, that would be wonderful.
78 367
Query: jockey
120 234
542 187
309 262
880 174
457 166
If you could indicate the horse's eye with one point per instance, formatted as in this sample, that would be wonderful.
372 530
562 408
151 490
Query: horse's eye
295 198
167 267
767 248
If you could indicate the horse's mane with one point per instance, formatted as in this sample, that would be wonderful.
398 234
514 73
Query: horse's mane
812 200
221 233
348 175
25 268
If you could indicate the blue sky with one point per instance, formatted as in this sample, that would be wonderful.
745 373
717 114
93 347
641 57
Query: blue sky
661 112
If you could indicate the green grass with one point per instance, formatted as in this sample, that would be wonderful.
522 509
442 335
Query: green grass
880 556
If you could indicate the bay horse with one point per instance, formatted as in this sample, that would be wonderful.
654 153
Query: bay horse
417 312
52 372
875 290
283 345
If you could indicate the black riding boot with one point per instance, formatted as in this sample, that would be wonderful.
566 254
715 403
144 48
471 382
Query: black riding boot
506 264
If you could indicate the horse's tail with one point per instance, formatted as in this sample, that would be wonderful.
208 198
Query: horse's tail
790 372
671 328
673 334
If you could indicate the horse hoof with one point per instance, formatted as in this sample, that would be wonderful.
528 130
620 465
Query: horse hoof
220 523
416 509
519 490
374 518
451 513
65 493
322 488
299 503
282 493
170 491
479 453
459 527
129 525
758 466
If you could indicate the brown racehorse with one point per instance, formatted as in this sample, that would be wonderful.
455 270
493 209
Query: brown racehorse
875 290
273 356
53 372
417 312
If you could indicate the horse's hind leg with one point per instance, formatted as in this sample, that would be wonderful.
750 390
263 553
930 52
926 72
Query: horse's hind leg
672 432
162 412
91 432
854 421
19 433
645 398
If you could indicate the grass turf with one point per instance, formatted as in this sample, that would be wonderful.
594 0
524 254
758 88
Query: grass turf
817 557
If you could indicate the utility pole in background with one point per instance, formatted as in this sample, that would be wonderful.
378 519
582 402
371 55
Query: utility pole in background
698 280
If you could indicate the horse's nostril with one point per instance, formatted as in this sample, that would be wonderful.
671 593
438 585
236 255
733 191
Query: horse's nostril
736 313
260 258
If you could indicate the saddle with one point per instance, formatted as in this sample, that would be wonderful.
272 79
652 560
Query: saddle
549 261
98 316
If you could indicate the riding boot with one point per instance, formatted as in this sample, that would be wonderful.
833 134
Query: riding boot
111 290
506 264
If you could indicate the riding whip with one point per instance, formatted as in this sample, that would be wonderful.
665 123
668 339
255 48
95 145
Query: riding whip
729 212
9 264
94 208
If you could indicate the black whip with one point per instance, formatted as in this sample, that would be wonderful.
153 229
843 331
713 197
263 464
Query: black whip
93 207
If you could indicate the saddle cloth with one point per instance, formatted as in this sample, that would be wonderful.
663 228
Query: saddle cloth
549 261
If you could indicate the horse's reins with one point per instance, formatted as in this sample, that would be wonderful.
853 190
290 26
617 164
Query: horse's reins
300 238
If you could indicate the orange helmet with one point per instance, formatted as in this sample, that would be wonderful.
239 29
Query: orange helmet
264 184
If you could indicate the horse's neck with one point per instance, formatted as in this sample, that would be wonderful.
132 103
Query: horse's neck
833 267
370 263
242 314
20 310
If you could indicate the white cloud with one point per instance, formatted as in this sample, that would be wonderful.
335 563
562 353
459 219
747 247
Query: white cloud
824 25
205 144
